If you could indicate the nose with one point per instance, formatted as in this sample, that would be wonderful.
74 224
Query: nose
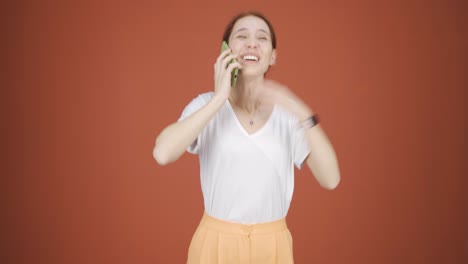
252 43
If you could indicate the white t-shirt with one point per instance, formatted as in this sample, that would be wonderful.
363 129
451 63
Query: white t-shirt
247 178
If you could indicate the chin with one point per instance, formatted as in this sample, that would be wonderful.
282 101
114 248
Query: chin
252 73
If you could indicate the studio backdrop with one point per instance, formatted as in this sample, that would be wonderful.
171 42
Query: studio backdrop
90 84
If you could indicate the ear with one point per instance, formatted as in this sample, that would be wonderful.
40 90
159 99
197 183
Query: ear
273 58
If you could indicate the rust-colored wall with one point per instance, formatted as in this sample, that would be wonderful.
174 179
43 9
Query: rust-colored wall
91 84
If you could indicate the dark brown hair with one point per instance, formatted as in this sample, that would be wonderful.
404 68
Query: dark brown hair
230 26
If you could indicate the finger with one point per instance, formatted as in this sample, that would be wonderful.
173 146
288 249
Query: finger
233 65
220 62
223 55
228 59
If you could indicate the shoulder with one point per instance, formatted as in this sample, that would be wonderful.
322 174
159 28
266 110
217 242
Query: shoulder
201 99
196 103
285 116
204 97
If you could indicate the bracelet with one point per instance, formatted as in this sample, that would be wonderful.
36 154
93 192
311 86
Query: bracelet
310 122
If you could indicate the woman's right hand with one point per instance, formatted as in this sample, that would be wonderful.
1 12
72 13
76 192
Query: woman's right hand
222 73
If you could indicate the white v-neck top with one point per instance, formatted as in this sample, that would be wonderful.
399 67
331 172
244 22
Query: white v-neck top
247 178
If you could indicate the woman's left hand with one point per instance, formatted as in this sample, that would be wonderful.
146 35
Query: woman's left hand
322 159
272 92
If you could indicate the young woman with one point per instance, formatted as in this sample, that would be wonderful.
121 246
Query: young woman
248 138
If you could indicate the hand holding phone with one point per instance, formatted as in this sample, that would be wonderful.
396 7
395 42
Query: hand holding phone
234 73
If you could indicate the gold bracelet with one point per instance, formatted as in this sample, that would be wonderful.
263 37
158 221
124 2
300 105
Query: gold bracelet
310 122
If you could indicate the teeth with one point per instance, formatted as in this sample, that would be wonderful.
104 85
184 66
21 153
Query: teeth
251 57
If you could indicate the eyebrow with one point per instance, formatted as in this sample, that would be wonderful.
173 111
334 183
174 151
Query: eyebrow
242 29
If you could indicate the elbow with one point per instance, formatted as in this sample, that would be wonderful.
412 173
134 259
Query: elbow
328 177
331 184
160 157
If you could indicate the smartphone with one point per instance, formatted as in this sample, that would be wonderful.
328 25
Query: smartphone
234 72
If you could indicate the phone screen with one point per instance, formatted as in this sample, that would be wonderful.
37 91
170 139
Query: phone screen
234 73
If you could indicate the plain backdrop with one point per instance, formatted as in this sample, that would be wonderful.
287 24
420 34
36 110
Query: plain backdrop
90 84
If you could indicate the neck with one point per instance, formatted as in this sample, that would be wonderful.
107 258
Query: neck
245 94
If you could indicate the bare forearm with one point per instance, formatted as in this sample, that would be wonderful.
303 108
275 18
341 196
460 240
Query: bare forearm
322 159
177 137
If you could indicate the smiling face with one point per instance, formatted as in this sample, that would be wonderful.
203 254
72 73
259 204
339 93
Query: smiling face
252 40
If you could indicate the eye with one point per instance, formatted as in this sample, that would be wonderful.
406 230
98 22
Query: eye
241 36
262 37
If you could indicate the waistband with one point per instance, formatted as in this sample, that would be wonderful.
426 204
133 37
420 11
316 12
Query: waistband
242 229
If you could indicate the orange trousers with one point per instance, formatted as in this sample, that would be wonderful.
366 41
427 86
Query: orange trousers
219 242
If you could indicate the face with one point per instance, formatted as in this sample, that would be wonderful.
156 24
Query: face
251 39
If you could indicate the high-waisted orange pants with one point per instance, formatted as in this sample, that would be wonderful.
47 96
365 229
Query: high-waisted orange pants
219 242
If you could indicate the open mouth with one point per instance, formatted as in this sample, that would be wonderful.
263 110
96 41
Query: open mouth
250 58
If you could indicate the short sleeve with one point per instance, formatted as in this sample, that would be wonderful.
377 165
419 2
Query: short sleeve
301 147
196 103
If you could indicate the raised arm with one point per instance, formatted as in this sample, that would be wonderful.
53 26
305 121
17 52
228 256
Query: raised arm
177 137
322 159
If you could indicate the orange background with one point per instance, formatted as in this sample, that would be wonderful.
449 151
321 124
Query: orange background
90 84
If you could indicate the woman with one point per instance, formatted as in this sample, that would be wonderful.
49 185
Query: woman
248 137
